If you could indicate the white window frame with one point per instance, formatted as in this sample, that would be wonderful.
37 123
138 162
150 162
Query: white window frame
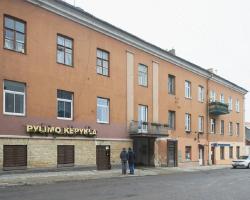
71 107
201 95
212 96
188 122
200 124
222 98
104 107
237 106
24 104
212 126
230 103
188 89
142 113
142 75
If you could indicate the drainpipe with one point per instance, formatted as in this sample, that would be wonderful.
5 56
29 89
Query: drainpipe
208 97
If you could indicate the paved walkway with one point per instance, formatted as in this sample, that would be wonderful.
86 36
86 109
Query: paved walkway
12 179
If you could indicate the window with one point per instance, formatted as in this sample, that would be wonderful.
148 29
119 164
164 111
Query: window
230 103
222 129
102 62
238 152
187 89
64 105
171 84
64 50
171 119
212 96
200 94
102 113
231 152
14 98
201 124
143 118
188 122
222 153
143 75
237 106
188 152
237 129
222 99
230 128
14 34
212 125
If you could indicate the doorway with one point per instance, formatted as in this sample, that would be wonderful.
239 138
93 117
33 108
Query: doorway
201 154
172 153
213 155
103 157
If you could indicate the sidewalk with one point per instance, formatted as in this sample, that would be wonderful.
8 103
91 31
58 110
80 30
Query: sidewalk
13 179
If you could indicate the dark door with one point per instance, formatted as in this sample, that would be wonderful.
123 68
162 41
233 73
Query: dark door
213 155
14 157
65 155
172 153
103 157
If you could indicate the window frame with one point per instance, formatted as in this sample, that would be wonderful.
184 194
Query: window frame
66 100
188 89
14 40
237 129
212 96
237 105
222 98
222 132
102 59
64 47
201 94
14 93
188 120
171 84
230 103
172 114
237 152
222 153
188 149
142 73
231 152
108 101
212 125
144 127
201 124
230 128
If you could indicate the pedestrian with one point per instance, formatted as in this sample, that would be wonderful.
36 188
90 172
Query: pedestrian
131 160
124 160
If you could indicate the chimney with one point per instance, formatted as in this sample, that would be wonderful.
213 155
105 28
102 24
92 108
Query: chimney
172 51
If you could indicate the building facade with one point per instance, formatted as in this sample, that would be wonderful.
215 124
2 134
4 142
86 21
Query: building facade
76 90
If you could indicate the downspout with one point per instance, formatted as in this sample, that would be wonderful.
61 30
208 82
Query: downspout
208 97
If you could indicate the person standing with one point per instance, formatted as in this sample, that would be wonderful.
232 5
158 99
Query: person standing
124 160
131 160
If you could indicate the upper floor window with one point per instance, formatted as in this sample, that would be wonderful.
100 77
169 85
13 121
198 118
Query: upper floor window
143 118
14 98
14 34
102 62
143 75
187 122
187 89
171 119
212 96
64 105
222 99
201 93
237 129
201 124
222 127
64 50
237 105
102 113
171 84
230 103
230 128
212 125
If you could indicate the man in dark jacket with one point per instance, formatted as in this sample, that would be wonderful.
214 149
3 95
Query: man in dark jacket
131 160
124 160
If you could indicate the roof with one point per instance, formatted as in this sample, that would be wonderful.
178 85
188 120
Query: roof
80 16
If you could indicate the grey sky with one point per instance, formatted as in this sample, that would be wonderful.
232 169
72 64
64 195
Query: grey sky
210 33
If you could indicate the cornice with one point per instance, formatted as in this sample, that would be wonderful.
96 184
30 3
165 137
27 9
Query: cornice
80 16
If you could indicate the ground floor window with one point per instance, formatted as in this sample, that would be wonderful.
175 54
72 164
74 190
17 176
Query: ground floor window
238 152
222 153
65 155
231 152
188 152
14 156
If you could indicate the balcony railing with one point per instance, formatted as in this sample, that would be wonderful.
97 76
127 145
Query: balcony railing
147 128
218 108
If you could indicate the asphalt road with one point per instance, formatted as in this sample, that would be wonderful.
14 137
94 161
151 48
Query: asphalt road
226 184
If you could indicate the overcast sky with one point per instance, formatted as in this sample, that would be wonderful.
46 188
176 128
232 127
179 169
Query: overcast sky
210 33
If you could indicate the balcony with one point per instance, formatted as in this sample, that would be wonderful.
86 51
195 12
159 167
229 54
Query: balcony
147 129
218 108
